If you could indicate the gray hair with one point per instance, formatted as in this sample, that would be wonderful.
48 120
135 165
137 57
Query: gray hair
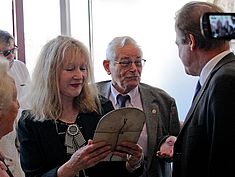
7 85
6 38
111 51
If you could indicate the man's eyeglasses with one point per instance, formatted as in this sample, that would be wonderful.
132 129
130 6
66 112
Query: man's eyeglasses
128 63
5 53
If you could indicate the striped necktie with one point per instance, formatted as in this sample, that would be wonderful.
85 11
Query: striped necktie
198 87
121 100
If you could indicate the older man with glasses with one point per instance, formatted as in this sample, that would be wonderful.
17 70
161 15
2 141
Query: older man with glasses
6 53
20 73
124 62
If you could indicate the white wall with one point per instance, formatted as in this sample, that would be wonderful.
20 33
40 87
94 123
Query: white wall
150 22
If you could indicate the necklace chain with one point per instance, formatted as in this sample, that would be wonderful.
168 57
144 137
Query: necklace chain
63 123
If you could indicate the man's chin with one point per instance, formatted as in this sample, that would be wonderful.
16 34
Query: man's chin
133 78
132 83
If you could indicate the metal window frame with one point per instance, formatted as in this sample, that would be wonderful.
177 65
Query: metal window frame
65 27
18 28
65 24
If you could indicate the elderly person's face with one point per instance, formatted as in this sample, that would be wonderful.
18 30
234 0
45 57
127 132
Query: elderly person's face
8 51
126 69
9 114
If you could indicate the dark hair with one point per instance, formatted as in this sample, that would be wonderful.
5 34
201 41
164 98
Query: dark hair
188 22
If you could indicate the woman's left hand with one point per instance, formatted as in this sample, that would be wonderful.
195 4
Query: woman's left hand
130 152
3 169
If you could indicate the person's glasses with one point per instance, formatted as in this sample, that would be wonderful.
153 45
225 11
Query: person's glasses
5 53
128 63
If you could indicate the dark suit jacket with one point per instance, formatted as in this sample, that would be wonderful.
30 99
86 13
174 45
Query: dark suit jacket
205 146
42 149
161 120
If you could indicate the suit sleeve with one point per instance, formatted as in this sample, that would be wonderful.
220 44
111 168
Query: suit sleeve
221 125
174 123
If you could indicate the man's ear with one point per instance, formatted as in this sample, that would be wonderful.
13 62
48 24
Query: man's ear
192 42
106 64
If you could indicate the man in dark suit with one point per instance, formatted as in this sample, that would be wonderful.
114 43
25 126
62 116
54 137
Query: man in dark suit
205 146
124 63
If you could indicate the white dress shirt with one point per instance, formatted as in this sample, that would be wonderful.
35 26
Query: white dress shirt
135 101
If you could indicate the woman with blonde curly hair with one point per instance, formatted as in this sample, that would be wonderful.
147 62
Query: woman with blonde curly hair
56 132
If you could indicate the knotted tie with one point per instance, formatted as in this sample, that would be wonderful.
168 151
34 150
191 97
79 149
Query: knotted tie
121 100
198 87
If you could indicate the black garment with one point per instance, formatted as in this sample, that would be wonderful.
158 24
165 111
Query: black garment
42 149
209 127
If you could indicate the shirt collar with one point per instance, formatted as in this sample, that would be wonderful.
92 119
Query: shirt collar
133 94
210 65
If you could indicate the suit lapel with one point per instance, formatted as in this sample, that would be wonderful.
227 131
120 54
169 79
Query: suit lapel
106 89
227 59
151 110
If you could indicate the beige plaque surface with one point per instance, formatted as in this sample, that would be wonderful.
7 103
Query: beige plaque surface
124 124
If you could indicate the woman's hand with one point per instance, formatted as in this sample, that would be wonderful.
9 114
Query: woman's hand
3 169
130 152
84 158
